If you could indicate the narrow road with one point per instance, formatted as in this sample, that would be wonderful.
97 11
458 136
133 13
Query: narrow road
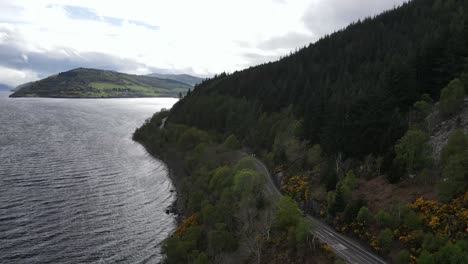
345 247
163 123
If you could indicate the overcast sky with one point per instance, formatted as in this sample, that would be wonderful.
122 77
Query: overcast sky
202 37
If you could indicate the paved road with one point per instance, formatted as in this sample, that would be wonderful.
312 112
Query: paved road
163 123
346 248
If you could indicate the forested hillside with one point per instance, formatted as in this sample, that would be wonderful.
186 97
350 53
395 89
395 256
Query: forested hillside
353 90
365 129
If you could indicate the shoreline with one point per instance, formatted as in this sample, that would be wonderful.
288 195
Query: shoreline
175 174
78 97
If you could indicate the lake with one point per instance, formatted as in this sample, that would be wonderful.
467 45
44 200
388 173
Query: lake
75 188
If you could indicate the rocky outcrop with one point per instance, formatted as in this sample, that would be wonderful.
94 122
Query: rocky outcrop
440 128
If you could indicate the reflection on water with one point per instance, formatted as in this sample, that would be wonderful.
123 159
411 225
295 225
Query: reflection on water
74 187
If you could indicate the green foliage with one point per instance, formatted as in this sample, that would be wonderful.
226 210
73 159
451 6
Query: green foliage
454 157
364 216
352 209
191 138
422 109
232 142
211 214
453 181
221 178
383 219
426 258
216 196
453 253
247 182
432 243
303 232
221 240
412 220
336 200
413 151
464 80
178 250
287 213
202 258
329 178
331 202
451 98
246 163
349 184
457 144
386 239
314 156
403 257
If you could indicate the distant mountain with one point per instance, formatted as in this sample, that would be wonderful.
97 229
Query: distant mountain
93 83
185 78
4 87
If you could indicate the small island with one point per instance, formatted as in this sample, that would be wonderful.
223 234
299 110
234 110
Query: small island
94 83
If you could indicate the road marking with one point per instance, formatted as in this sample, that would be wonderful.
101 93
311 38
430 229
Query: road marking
339 247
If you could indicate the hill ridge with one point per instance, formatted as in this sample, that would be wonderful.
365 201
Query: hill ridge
95 83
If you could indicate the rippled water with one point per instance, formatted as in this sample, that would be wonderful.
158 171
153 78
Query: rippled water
74 187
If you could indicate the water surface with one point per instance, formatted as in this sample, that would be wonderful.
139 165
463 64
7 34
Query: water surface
74 187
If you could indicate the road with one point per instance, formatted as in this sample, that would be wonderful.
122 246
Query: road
345 247
163 123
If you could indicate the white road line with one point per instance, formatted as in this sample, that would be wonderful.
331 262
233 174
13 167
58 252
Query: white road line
346 248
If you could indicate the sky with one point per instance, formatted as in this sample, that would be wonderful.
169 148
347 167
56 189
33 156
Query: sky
43 37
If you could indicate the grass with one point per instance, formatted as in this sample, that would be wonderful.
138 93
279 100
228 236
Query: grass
110 90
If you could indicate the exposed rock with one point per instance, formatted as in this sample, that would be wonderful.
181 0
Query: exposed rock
440 128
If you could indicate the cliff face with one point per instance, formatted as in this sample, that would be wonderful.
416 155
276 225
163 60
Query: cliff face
440 128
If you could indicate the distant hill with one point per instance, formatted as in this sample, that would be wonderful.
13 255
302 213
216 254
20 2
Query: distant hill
185 78
4 87
93 83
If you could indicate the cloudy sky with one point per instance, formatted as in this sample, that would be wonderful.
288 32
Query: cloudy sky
203 37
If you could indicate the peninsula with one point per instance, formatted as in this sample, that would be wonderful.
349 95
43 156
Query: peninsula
94 83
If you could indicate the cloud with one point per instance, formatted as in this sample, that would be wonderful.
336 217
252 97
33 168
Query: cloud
256 58
83 13
196 37
325 17
13 77
78 12
288 41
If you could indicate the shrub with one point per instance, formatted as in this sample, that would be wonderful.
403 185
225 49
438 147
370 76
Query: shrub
364 216
403 257
413 151
426 258
287 213
451 98
386 239
383 219
232 142
457 144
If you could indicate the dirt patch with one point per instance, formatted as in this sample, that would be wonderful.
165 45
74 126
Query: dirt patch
380 194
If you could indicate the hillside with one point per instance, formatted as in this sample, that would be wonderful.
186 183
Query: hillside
185 78
352 89
92 83
363 129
